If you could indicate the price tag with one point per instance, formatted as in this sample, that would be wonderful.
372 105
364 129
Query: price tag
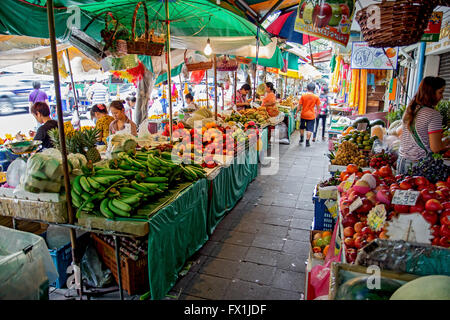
377 217
349 182
405 197
356 204
332 207
362 126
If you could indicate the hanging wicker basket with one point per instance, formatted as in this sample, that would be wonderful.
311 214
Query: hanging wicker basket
401 22
198 65
148 44
224 63
113 47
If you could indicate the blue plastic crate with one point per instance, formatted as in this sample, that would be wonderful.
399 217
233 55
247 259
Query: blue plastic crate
323 220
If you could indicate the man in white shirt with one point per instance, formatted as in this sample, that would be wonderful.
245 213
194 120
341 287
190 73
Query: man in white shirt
98 94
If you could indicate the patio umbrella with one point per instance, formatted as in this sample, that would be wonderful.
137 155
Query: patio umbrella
283 27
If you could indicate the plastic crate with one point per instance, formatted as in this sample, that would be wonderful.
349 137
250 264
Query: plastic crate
134 273
323 220
62 259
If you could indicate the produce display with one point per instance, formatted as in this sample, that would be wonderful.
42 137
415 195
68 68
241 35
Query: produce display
258 115
348 153
131 183
362 139
378 188
320 244
382 159
432 167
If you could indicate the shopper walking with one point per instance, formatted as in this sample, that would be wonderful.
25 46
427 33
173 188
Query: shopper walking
323 113
308 108
98 93
422 125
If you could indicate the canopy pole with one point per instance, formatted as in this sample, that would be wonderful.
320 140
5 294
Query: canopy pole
215 87
310 50
75 93
235 86
256 62
51 31
169 70
181 89
207 90
285 86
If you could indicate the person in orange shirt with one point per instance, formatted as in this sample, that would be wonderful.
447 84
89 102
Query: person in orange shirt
309 105
269 99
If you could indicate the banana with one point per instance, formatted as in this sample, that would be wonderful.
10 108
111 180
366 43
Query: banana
156 179
131 200
85 185
128 190
104 209
85 196
76 200
94 184
139 187
77 186
116 210
121 205
149 186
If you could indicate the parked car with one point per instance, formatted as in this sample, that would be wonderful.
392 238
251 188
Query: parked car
14 92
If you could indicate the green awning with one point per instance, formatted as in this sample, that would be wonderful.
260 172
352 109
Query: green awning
175 71
275 62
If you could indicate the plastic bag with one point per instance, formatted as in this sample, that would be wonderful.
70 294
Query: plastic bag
93 271
15 171
24 274
43 174
143 130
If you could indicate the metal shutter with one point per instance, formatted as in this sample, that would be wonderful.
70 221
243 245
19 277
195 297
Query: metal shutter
444 72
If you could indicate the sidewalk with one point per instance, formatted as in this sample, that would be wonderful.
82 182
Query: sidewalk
258 251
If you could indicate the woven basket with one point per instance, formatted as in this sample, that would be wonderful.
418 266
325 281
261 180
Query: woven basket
224 63
113 47
402 22
198 65
143 46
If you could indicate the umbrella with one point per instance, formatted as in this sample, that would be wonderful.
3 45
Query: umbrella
283 27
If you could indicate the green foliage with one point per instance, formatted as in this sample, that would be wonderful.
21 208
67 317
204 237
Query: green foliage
396 114
444 108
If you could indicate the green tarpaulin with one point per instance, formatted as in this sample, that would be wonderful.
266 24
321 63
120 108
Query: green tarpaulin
175 71
229 186
275 62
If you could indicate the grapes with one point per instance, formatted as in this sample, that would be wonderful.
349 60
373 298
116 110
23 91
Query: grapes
433 169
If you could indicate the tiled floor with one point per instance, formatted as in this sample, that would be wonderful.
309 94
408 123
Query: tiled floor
259 249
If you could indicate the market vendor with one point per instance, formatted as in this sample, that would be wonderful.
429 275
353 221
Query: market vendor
241 94
121 121
41 112
99 114
191 105
422 125
269 99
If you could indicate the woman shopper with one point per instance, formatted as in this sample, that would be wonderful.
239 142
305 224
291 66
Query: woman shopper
41 113
422 125
121 121
308 108
323 113
102 119
269 99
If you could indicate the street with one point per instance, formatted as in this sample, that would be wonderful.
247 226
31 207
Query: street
24 122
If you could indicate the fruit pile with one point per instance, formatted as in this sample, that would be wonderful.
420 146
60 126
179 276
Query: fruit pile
382 159
348 153
362 139
320 244
378 188
130 185
432 167
175 127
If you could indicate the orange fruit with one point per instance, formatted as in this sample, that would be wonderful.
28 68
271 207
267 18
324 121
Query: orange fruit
325 250
391 52
352 168
326 233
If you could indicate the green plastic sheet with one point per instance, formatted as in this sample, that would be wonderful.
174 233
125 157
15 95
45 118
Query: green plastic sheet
230 185
275 62
176 232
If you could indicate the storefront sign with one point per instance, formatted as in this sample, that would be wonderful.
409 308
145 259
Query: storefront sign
331 20
365 57
444 41
433 31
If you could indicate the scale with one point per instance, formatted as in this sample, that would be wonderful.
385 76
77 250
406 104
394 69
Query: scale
23 149
409 227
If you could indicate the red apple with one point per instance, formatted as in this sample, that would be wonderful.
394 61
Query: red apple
444 218
402 208
358 227
418 207
349 220
345 10
404 185
444 242
444 231
426 195
371 196
366 231
433 205
430 216
322 15
366 206
435 230
421 181
370 238
349 232
360 242
351 254
436 241
441 184
349 242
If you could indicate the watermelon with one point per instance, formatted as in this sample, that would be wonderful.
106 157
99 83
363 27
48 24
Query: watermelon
357 289
435 287
378 122
360 120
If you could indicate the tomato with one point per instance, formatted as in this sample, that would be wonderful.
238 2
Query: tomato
444 231
352 168
430 216
418 207
433 205
444 242
436 241
435 231
342 175
445 218
401 208
404 185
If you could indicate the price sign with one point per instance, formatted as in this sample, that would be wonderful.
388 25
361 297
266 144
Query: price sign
356 204
405 197
349 182
377 217
362 126
332 206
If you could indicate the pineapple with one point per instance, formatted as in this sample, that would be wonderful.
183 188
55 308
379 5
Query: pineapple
73 142
90 138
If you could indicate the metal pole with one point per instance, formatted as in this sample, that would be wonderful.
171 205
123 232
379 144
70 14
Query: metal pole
51 31
256 62
181 89
169 69
215 87
119 273
235 86
75 93
207 90
310 50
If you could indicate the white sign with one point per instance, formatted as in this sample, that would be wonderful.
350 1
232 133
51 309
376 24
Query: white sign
405 197
356 204
365 57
